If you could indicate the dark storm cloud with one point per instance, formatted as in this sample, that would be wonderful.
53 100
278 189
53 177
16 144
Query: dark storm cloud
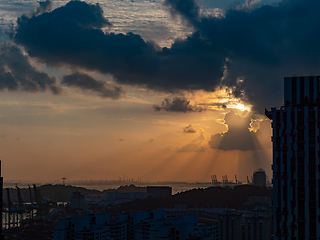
86 82
259 46
238 136
16 72
72 36
177 105
189 129
263 45
44 6
188 9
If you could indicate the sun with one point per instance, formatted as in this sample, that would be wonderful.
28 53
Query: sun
239 106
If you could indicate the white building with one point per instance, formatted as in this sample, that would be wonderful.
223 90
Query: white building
67 228
296 169
115 231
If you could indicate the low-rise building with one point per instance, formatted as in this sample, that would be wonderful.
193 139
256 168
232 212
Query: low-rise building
137 225
116 197
69 228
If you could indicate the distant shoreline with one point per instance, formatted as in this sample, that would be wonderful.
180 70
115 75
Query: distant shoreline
177 187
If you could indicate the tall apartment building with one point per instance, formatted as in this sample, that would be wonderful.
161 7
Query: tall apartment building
257 224
296 169
230 225
259 178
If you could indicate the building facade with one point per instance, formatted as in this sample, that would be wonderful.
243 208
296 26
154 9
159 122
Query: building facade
230 225
296 179
257 224
78 201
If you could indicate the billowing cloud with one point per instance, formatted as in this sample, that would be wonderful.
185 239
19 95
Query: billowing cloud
192 147
257 47
238 136
189 129
197 145
44 6
86 82
177 105
16 72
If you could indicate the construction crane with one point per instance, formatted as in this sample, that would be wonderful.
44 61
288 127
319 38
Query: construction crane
225 179
30 195
31 201
20 201
214 179
37 194
9 207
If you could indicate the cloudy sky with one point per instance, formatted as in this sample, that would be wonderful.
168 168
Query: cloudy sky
167 90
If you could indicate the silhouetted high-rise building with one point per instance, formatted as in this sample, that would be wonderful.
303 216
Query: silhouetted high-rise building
296 168
260 178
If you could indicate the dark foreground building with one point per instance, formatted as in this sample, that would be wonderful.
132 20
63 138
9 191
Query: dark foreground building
296 169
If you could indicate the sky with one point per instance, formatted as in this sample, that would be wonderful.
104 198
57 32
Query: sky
165 90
